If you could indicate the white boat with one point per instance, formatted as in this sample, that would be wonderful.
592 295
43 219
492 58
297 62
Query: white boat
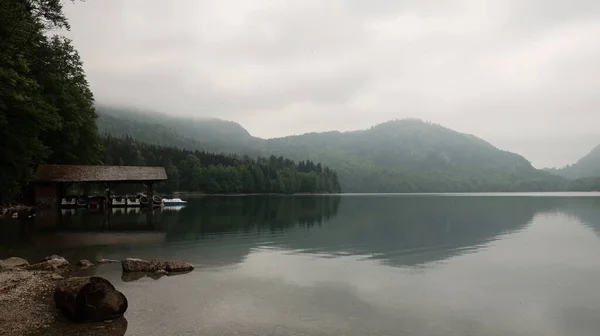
133 202
119 201
68 202
173 202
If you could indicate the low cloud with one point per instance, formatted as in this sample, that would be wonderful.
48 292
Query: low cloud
520 74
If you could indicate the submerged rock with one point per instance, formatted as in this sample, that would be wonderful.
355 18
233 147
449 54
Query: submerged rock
89 299
132 276
154 266
13 262
161 272
106 261
57 261
178 266
84 263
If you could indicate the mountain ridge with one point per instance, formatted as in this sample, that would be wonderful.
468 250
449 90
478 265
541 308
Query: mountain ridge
401 155
586 167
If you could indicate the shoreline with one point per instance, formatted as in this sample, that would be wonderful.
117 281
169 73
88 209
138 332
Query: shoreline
29 294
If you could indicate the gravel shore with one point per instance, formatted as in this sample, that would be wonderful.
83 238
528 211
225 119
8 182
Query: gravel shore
27 307
23 298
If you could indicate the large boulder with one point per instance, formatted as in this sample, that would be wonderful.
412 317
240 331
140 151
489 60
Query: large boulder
89 299
57 261
13 262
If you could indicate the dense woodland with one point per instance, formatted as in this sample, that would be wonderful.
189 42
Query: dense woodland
46 107
224 174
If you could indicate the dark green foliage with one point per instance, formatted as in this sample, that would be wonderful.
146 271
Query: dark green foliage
46 107
222 174
586 184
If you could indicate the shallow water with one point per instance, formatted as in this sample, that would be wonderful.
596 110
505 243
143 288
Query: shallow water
524 264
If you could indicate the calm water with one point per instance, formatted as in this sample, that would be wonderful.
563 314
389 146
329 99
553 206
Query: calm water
351 265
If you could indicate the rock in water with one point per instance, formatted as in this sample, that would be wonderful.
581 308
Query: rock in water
57 261
89 299
134 265
85 263
140 265
13 262
153 266
106 261
178 266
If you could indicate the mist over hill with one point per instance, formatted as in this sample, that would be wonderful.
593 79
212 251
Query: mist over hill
408 155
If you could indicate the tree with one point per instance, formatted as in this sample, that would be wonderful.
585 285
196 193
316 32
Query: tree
46 107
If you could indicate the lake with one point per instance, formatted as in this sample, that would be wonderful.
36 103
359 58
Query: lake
450 264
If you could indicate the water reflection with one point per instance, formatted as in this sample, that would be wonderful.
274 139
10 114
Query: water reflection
219 231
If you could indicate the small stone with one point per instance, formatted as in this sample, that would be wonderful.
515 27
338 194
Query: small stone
106 261
84 263
57 261
161 272
13 262
55 276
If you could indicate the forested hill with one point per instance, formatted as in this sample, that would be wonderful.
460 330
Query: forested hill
416 156
397 156
587 166
213 135
222 174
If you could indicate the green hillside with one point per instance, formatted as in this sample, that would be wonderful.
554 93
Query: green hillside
398 156
415 156
588 166
213 135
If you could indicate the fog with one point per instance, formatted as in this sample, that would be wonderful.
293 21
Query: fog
522 74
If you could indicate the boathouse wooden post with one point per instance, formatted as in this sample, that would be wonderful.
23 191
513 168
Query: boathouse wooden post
150 193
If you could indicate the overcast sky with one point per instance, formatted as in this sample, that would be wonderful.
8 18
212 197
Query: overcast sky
522 74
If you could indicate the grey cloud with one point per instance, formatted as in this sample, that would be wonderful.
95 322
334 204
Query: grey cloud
519 74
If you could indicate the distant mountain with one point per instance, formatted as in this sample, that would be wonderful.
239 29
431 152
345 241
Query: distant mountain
415 156
587 166
398 156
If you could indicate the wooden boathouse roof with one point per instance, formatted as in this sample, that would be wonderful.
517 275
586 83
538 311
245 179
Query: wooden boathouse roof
72 173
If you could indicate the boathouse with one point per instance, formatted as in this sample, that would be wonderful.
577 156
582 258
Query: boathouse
51 181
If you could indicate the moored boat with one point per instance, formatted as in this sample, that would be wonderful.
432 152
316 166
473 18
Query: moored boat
133 202
157 200
69 202
82 202
143 199
173 202
118 201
